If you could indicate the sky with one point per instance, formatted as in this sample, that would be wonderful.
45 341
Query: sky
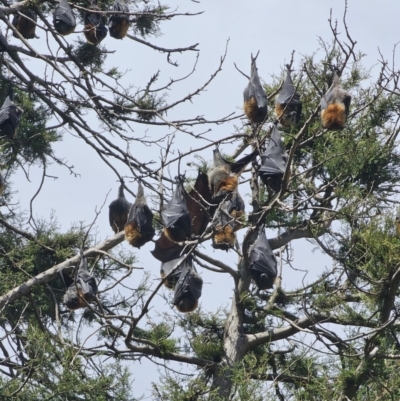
274 28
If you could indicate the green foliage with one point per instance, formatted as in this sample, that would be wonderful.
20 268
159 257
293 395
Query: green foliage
90 56
56 371
151 102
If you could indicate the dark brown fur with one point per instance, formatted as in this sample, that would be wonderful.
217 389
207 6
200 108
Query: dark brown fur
186 305
133 235
253 112
119 27
175 235
197 201
119 221
224 238
25 26
229 184
334 117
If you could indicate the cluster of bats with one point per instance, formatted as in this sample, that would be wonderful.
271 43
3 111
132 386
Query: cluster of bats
214 197
64 21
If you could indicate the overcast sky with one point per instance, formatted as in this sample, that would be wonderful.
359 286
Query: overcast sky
276 28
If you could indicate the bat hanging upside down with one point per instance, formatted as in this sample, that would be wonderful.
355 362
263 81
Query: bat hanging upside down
82 291
64 19
227 222
188 288
273 162
119 211
25 26
335 105
176 217
139 227
262 262
119 23
223 176
10 115
255 100
287 103
95 25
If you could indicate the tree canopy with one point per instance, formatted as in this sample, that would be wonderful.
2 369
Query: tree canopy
333 184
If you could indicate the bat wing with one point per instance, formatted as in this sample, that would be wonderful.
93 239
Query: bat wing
274 159
172 213
64 13
118 213
254 88
145 220
189 285
10 111
224 216
262 260
198 201
166 250
288 93
87 284
176 212
239 165
168 267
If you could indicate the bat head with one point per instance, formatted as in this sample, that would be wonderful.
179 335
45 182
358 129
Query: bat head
188 289
172 271
72 300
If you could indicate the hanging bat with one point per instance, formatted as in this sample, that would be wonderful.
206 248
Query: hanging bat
176 217
274 162
255 100
262 263
64 19
81 291
10 115
166 250
223 175
335 105
119 211
198 202
3 43
227 222
188 288
168 267
25 26
287 103
119 23
95 25
139 227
